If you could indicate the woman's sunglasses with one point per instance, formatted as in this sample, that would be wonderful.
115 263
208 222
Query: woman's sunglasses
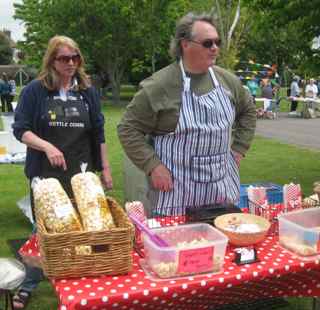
208 43
66 58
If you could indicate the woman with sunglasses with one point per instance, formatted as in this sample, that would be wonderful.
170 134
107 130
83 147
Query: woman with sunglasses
201 122
59 118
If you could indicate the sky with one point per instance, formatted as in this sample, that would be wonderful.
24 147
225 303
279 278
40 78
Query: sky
7 21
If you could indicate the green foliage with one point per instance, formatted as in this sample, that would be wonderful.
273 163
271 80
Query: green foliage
37 23
105 31
224 14
5 50
115 35
282 33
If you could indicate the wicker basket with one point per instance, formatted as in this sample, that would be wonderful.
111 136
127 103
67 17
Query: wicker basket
111 250
243 239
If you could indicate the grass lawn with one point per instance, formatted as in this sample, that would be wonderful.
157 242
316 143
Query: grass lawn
267 161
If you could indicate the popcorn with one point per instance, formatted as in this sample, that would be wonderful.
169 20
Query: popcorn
297 245
91 202
170 269
54 207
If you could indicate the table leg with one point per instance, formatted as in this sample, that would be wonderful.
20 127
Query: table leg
316 303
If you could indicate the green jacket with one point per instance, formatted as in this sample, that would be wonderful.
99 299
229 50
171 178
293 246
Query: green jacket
155 108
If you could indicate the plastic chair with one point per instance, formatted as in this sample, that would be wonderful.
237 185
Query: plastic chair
12 273
8 299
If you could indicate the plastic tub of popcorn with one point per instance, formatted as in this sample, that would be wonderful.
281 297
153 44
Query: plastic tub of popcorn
192 249
299 231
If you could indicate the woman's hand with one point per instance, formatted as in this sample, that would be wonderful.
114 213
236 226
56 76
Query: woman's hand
106 178
55 156
161 178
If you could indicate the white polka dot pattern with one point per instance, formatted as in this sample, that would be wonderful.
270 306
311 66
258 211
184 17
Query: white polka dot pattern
279 273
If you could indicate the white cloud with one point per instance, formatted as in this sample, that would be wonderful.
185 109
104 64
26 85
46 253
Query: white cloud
8 22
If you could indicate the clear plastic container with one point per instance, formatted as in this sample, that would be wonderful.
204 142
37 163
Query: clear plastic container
193 249
299 231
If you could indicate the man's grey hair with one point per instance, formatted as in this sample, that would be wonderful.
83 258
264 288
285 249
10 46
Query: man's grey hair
184 31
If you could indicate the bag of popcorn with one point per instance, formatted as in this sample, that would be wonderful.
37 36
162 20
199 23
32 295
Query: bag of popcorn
91 202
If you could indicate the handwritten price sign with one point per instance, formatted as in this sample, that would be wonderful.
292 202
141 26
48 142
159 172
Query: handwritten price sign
196 260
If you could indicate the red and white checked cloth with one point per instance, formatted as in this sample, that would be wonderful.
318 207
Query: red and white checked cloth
292 197
136 209
257 195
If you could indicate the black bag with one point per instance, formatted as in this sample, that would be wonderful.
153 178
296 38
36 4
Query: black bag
208 213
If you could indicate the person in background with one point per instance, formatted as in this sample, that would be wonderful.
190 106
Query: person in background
253 86
266 93
13 90
1 86
5 94
266 88
58 117
200 121
294 92
311 90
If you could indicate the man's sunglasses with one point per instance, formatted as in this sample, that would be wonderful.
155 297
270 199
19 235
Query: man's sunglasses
208 43
66 59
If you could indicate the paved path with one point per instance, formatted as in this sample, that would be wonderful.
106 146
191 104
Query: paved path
298 131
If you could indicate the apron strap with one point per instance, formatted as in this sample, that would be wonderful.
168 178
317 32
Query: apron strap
213 76
186 80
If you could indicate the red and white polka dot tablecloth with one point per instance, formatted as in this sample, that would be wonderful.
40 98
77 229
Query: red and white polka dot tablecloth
278 274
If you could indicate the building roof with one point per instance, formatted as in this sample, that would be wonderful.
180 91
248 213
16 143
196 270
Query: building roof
7 33
13 70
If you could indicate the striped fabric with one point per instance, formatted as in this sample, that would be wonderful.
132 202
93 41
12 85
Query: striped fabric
198 153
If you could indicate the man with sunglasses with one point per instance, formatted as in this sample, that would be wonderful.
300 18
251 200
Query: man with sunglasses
201 122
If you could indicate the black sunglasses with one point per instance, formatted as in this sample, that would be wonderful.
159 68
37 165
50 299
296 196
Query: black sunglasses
66 59
208 43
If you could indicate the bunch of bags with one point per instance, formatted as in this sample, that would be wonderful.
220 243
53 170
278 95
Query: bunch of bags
56 211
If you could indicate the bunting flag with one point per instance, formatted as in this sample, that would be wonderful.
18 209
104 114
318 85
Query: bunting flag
253 68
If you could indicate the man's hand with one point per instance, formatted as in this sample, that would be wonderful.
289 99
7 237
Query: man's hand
161 178
106 178
55 156
238 157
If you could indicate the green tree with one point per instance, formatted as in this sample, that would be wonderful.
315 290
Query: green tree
105 31
5 50
156 24
282 33
233 21
38 25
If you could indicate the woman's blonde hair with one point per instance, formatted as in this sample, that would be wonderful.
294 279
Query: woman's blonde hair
48 74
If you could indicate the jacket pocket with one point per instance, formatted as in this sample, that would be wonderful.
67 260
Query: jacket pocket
206 169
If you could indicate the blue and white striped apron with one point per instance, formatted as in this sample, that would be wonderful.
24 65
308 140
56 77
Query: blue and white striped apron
198 153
